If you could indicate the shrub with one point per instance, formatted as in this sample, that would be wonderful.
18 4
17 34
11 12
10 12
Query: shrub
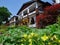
23 35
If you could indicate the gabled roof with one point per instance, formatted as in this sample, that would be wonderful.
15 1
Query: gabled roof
25 5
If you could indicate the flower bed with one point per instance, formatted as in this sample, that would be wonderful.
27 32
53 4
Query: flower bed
31 36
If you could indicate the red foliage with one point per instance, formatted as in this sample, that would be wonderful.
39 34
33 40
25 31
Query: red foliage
48 17
40 18
52 9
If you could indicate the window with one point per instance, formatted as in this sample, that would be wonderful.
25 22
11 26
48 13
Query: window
25 12
32 20
40 8
32 9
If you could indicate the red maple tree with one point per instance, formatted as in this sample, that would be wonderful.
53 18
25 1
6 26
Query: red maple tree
52 9
49 16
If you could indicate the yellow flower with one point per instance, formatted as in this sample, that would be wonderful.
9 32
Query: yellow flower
30 44
36 35
25 35
22 44
51 38
49 43
23 20
29 36
30 40
21 40
32 34
55 36
44 38
59 41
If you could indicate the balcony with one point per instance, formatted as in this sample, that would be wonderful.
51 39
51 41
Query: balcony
31 10
32 13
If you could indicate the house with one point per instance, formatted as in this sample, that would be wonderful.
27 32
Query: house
13 20
27 15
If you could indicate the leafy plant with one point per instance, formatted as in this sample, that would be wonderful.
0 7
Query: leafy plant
23 35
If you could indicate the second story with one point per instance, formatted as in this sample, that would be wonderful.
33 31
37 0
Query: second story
30 7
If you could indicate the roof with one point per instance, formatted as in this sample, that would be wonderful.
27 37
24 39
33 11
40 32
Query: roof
13 18
25 5
53 0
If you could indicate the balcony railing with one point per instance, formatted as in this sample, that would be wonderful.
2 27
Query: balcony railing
30 14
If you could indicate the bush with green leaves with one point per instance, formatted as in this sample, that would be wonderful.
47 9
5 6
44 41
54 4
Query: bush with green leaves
23 35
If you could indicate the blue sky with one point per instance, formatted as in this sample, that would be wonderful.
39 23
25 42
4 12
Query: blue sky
14 5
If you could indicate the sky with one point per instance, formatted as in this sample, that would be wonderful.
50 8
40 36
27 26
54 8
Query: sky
14 5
